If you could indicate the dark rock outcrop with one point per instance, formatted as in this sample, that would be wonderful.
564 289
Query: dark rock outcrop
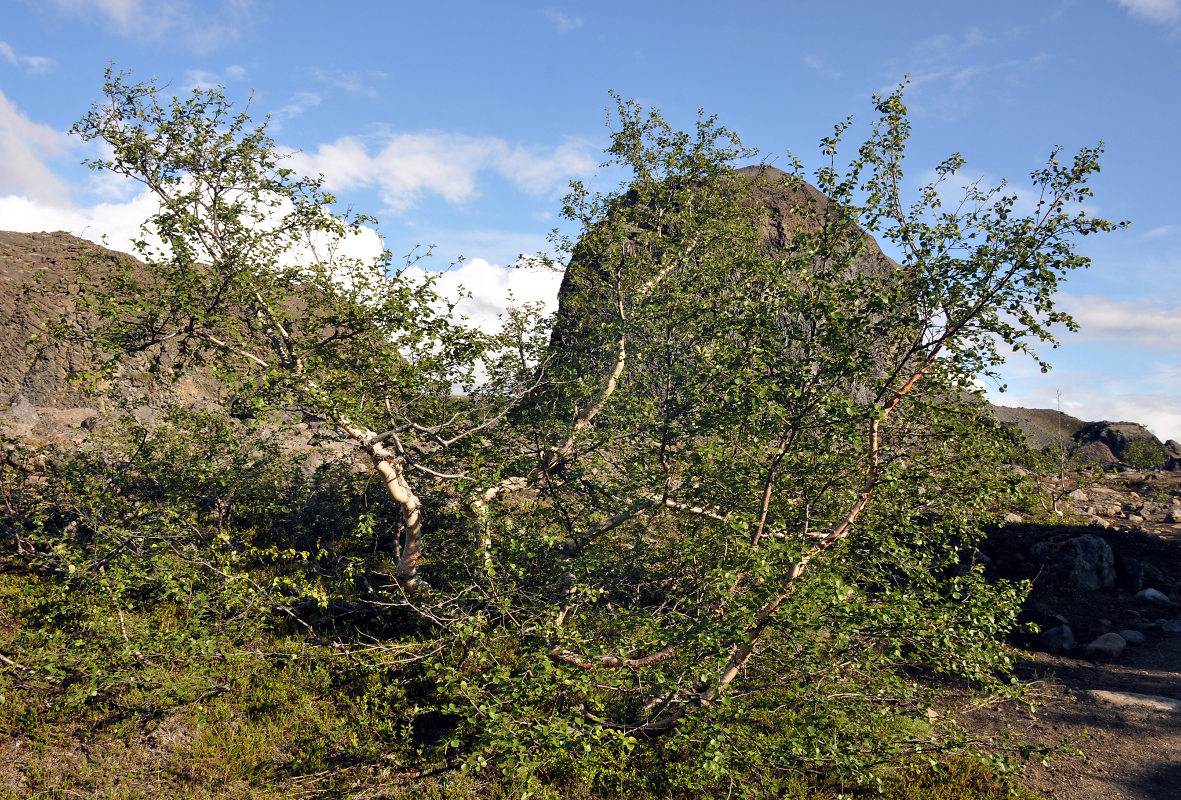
584 344
1123 439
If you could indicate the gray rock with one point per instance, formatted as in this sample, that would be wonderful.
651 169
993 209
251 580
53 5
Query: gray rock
1154 596
1135 519
1171 626
1133 637
1083 561
23 411
1095 453
1110 646
1059 638
1013 519
1079 495
1148 702
1157 512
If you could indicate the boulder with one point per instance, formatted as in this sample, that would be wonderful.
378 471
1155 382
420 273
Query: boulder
1173 455
1110 646
1059 638
1157 512
1147 702
1083 561
1155 597
1095 453
584 342
1133 636
1039 428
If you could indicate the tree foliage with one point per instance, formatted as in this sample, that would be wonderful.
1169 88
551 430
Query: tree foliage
731 507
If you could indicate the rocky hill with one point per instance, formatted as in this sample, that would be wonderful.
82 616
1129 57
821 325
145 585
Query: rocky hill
39 402
39 398
1103 444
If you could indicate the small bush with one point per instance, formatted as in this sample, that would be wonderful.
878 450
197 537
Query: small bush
1145 454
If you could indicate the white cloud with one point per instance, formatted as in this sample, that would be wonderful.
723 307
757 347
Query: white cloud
300 102
561 21
404 167
34 65
357 83
1164 11
118 222
492 288
948 75
1159 412
199 26
1125 323
23 147
1124 364
204 79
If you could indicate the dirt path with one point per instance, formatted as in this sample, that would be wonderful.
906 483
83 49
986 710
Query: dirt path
1125 748
1127 752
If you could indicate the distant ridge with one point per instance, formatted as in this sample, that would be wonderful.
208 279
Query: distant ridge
1103 443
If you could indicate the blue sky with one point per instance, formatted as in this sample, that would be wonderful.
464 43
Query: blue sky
458 124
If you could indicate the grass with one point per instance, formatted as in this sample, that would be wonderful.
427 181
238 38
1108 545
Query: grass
151 677
275 717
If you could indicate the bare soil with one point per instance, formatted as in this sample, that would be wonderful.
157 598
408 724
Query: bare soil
1110 751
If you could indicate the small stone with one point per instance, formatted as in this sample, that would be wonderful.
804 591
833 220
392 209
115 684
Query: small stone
1110 646
1100 522
1078 495
1171 626
1013 519
1133 637
1154 596
1135 519
1059 638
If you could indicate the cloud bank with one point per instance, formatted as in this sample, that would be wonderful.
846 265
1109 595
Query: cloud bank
404 167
